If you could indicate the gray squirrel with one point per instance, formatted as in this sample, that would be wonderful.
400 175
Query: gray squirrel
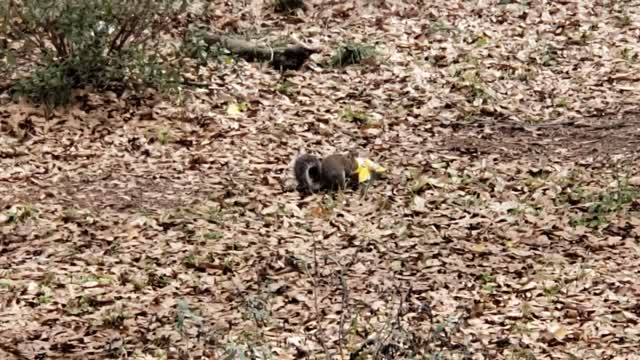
331 173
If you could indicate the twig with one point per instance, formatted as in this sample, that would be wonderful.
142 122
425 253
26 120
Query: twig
403 299
37 41
203 84
344 303
385 338
617 125
320 331
365 189
397 323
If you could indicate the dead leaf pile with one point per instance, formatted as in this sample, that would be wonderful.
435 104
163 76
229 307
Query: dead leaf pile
507 227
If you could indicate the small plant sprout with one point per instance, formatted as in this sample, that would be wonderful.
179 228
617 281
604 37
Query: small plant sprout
165 136
352 53
183 314
19 213
358 117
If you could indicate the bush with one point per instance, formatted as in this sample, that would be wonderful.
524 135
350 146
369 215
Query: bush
352 53
105 44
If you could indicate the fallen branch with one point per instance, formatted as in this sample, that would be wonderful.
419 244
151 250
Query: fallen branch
280 58
289 5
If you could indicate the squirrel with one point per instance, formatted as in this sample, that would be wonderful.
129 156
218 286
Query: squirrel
333 172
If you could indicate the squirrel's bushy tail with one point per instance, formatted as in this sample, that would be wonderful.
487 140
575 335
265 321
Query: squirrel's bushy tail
308 172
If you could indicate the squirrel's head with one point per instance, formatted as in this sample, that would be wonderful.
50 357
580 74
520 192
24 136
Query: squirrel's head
353 153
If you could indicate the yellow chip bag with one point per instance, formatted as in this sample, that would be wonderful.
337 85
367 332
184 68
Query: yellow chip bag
365 167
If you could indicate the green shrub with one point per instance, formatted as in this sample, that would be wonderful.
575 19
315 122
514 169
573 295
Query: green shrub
104 44
352 53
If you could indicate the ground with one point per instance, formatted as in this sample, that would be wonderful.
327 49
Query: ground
506 227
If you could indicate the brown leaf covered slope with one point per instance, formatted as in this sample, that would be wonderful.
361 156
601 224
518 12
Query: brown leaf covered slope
507 227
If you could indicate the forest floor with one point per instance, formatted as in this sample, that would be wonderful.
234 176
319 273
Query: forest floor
507 227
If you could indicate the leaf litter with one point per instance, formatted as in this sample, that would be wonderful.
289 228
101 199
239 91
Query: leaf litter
506 227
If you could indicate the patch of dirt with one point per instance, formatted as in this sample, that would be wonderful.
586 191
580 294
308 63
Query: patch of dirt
568 141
